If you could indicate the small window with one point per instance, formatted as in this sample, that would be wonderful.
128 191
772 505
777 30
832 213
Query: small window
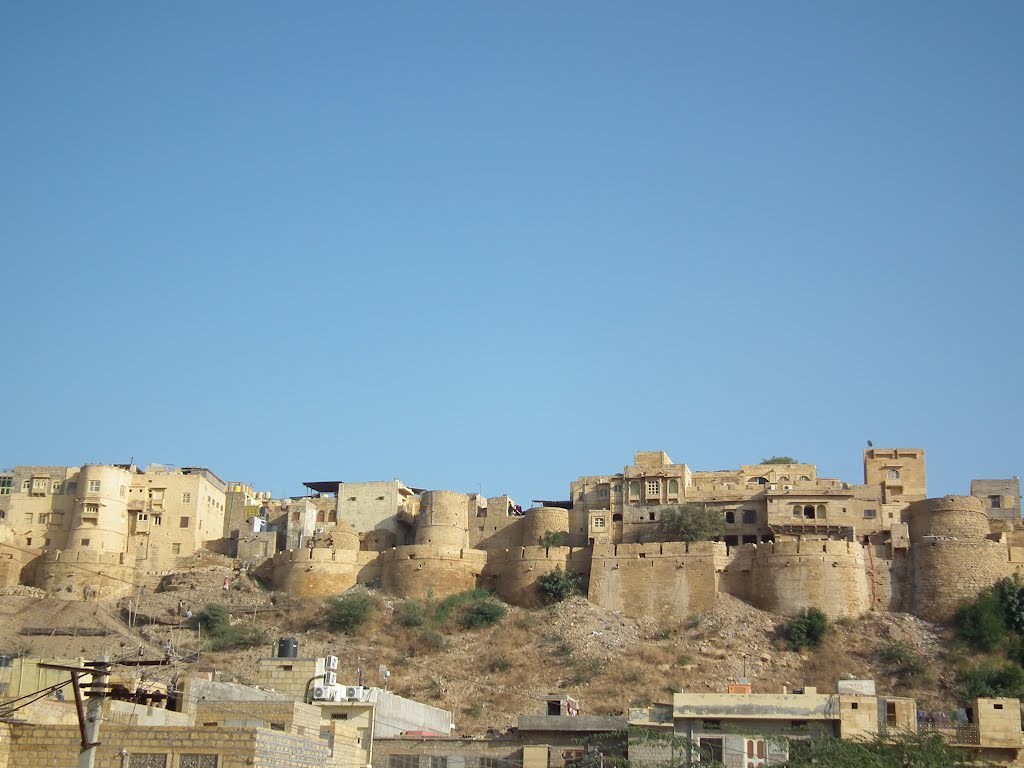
186 498
804 479
28 518
893 474
340 716
123 491
653 487
673 487
94 486
28 542
183 523
617 488
143 517
749 516
996 502
43 518
85 542
176 549
854 705
46 542
599 522
5 486
997 706
730 517
602 493
809 512
55 488
158 520
25 486
870 514
277 726
438 761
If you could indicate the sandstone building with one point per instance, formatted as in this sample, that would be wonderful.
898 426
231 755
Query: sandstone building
791 539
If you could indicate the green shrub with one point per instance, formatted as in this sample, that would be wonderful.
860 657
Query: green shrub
411 613
483 613
554 539
991 681
557 585
980 623
454 604
780 460
1009 592
348 613
213 619
907 665
805 630
237 638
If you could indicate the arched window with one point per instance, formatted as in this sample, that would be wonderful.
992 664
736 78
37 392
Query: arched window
809 511
320 516
804 479
821 511
634 489
796 510
783 479
332 516
617 517
673 487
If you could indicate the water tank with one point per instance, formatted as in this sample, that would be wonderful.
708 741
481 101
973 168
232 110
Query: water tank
288 648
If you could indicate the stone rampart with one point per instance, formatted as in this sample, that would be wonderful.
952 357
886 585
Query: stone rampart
514 572
954 517
417 570
317 572
540 520
787 576
443 520
658 579
946 572
66 574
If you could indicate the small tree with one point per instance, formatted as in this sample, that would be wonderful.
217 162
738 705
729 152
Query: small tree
214 618
554 539
483 613
780 460
806 630
557 585
691 522
348 613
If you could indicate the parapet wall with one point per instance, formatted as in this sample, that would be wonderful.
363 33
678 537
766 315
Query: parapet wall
317 572
419 570
787 576
956 517
514 573
946 572
540 520
66 574
659 579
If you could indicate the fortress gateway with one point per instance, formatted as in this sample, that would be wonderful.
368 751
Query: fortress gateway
791 539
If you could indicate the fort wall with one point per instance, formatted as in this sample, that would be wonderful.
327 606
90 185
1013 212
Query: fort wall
317 572
660 579
513 574
417 570
443 520
787 576
66 574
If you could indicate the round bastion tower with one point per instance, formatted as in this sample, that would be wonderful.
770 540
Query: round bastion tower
319 571
440 563
952 558
96 561
515 575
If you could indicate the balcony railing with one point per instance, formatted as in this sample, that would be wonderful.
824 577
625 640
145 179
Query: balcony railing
953 732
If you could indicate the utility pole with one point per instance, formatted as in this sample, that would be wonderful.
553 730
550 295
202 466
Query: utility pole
94 713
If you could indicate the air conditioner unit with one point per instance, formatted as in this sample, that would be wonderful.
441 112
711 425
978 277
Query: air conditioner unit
354 692
331 662
331 678
325 693
320 529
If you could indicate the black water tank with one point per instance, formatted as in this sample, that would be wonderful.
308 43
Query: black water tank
287 648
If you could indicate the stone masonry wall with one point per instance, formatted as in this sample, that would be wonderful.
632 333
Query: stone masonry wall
787 576
660 579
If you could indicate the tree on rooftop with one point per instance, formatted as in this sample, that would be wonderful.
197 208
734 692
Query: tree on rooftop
780 460
691 522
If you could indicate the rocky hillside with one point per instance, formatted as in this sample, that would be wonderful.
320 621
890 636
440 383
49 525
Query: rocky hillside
488 676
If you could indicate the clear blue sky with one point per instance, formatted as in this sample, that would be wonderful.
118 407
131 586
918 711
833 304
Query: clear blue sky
495 246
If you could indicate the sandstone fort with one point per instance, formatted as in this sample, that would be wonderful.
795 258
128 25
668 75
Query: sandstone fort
791 539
